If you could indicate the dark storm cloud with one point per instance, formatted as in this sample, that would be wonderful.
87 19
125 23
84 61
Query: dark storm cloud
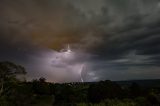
118 35
26 26
132 27
127 27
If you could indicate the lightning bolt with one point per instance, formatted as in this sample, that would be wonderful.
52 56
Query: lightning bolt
81 69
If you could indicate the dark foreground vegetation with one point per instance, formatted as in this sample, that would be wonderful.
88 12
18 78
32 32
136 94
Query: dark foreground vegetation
38 92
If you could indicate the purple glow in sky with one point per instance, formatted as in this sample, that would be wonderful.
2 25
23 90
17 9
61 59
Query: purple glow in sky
65 66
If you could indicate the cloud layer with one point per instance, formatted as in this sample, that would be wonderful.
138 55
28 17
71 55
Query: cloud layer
121 38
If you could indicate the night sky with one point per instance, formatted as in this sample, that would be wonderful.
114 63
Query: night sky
108 39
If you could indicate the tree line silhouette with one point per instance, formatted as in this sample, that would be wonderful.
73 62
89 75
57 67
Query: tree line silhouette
38 92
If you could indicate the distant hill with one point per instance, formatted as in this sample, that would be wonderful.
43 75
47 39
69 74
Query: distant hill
151 83
143 83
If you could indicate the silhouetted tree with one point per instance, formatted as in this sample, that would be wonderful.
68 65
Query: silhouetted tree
40 86
153 98
135 90
9 84
42 80
8 72
103 90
